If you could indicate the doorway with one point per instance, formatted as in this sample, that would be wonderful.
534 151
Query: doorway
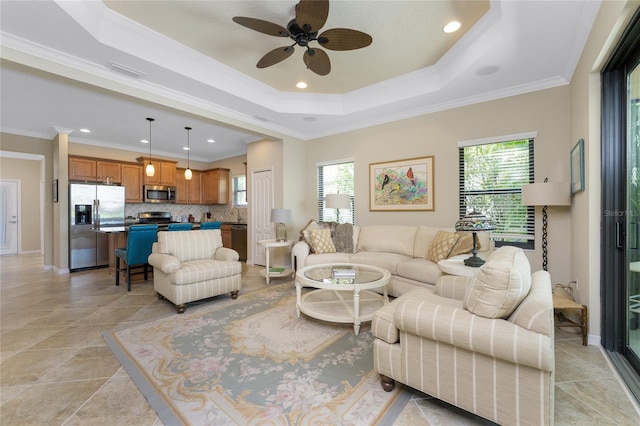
261 202
9 214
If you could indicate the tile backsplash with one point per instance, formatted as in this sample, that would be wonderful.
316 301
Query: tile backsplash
222 213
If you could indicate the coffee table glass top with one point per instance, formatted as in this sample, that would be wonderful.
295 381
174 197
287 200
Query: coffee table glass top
342 274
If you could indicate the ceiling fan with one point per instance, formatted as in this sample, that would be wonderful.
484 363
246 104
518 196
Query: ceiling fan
311 15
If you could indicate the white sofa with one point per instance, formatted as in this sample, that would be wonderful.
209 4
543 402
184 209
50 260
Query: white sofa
484 344
400 249
193 265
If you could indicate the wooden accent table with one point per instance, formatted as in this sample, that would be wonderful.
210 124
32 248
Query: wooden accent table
564 303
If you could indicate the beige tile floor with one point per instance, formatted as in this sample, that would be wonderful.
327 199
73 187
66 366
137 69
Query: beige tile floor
55 368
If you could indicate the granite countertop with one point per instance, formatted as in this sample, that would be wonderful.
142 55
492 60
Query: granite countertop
161 227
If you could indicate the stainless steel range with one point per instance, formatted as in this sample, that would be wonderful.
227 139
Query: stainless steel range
148 218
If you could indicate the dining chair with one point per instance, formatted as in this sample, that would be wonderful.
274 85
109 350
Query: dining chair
140 240
180 226
210 225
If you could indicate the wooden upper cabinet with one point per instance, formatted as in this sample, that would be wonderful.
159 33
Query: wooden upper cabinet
94 170
108 169
188 191
215 186
132 182
165 172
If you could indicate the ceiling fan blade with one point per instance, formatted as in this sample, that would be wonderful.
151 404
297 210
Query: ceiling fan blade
317 62
262 26
313 13
344 39
275 56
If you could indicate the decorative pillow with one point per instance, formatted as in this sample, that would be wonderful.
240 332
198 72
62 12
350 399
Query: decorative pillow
304 232
441 246
321 241
464 244
343 238
500 285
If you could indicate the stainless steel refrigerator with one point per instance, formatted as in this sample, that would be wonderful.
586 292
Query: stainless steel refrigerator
91 207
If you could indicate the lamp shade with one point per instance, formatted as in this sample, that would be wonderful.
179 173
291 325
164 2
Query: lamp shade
280 215
475 222
338 201
546 194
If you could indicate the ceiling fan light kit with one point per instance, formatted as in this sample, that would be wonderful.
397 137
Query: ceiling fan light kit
311 15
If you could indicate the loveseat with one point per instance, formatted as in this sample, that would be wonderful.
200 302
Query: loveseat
193 265
409 253
484 344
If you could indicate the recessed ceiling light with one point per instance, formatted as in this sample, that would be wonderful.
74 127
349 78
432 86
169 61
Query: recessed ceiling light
186 148
452 27
85 130
301 85
144 141
210 140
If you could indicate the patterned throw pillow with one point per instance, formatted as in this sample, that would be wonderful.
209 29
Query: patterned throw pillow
321 241
441 246
464 244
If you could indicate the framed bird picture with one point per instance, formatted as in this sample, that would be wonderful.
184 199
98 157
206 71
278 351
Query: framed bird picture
402 185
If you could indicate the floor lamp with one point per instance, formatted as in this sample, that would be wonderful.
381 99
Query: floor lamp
338 201
546 194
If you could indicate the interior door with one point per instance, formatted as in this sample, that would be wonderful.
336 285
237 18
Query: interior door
9 217
262 202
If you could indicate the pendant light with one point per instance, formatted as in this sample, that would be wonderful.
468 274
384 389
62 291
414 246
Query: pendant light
150 170
187 173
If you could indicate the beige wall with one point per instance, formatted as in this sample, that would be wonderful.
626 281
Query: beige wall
437 134
29 175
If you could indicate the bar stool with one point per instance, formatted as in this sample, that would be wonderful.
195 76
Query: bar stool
210 225
180 226
139 243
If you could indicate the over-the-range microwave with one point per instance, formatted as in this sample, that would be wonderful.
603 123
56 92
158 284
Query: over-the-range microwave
159 194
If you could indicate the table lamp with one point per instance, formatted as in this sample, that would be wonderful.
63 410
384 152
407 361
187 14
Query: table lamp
475 222
280 217
338 201
546 194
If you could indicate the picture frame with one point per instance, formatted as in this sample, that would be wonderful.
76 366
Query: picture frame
55 191
577 167
402 185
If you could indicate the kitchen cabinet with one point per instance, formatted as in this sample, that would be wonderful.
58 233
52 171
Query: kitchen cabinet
165 172
188 191
132 182
215 186
94 170
225 230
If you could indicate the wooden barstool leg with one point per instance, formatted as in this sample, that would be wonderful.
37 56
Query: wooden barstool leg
117 270
584 325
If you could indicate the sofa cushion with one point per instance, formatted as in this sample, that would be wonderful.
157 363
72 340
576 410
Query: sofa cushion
206 269
321 241
500 285
387 238
424 237
464 244
535 313
441 246
310 226
190 245
317 259
420 270
388 261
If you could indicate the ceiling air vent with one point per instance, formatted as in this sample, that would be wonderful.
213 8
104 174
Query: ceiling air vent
123 69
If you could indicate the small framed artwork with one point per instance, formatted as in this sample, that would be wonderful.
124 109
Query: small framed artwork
577 167
55 191
402 185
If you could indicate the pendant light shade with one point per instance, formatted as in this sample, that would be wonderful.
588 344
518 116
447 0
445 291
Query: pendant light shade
187 173
150 170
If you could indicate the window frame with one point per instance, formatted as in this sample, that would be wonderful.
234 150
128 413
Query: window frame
235 190
529 220
320 190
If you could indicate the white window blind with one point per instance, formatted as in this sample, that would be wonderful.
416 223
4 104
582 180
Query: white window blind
491 177
335 178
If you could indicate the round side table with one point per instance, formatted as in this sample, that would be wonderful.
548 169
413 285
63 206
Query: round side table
456 266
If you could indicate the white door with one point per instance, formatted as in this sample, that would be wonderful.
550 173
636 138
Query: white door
9 216
262 202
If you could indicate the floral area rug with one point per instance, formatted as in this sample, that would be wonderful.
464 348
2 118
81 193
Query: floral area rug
253 361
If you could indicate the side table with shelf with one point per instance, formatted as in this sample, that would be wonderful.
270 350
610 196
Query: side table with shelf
280 270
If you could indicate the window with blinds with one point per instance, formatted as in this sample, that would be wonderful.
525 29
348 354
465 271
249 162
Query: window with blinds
335 178
491 178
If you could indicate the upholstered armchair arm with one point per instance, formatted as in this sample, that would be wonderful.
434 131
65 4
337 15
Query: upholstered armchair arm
458 327
224 253
300 251
452 286
165 262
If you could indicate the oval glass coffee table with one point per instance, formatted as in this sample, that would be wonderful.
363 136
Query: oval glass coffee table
343 292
